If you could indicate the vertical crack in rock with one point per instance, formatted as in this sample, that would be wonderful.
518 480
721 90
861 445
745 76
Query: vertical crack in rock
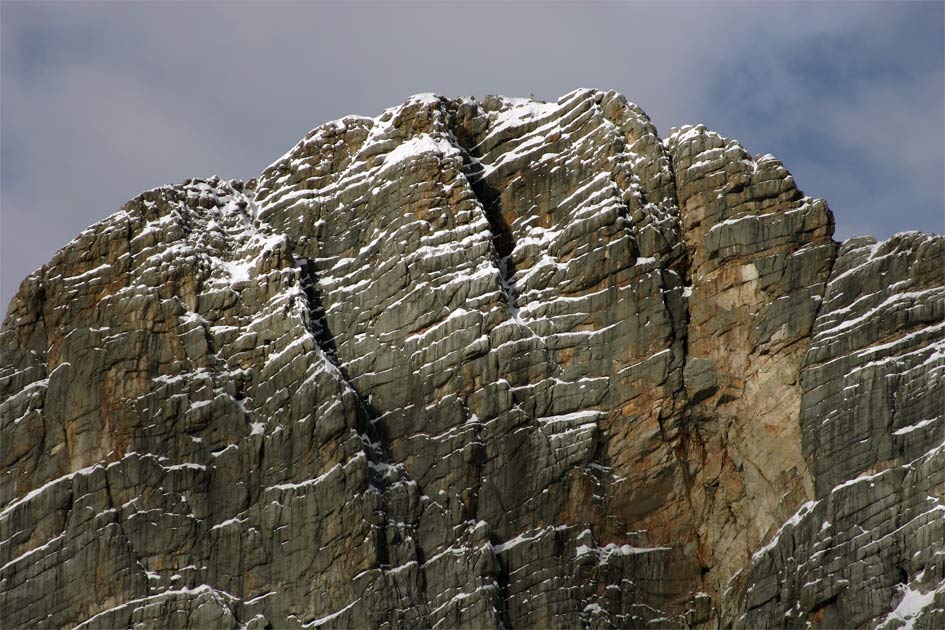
502 239
316 311
381 472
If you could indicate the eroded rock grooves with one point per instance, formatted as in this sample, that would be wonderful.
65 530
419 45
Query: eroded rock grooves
478 364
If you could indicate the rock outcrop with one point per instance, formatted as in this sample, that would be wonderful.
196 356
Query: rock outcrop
478 364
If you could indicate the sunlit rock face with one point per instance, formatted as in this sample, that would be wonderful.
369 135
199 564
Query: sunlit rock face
496 363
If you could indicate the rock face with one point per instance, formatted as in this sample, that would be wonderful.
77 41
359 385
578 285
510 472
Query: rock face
478 364
867 550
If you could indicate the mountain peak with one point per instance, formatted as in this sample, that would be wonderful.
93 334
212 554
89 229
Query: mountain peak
497 363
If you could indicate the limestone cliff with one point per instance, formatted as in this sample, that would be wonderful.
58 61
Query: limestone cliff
497 363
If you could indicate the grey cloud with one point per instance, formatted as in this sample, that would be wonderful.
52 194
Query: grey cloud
101 101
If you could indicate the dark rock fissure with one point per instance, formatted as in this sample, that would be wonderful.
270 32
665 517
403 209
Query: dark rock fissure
374 446
502 239
316 311
375 442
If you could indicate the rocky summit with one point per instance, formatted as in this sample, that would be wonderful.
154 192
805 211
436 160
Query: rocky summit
478 364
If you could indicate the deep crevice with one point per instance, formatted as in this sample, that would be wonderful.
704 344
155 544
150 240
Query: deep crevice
373 437
502 584
490 198
690 443
318 323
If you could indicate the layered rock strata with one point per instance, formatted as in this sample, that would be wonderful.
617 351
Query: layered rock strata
478 364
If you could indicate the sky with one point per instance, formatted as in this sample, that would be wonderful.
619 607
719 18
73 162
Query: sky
100 101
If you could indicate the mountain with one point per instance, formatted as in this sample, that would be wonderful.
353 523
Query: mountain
498 363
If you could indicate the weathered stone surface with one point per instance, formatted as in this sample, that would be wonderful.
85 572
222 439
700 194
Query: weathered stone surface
868 549
759 256
476 364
